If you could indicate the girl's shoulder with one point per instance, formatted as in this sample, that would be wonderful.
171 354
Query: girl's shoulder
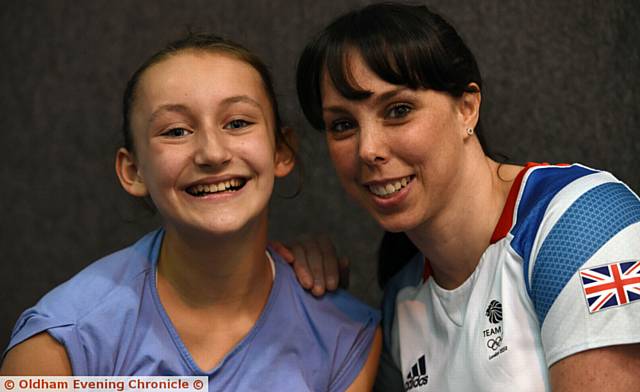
347 305
120 271
103 288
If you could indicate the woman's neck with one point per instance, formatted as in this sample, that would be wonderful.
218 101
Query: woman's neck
456 237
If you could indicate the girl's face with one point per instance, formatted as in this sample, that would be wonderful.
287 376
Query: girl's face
205 150
397 152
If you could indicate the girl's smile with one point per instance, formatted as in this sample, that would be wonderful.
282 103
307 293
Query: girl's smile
205 148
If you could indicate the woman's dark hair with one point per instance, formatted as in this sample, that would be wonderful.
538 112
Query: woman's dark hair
402 44
206 43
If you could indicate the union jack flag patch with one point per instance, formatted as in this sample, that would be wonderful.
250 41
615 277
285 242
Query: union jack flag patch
611 285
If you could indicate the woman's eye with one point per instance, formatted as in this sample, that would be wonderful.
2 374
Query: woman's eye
176 132
398 111
341 126
237 124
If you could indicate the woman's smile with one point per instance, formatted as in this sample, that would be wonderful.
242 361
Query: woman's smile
398 151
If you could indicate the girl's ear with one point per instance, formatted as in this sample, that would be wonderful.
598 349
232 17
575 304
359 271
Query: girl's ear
285 158
128 174
469 107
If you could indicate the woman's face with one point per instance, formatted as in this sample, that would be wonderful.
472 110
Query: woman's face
397 152
203 128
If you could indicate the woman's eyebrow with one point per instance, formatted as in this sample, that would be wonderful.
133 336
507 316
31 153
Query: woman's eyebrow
334 109
375 99
378 99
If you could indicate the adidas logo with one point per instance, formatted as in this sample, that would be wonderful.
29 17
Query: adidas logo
418 375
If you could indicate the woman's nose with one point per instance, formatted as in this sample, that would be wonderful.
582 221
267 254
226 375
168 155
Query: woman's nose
373 146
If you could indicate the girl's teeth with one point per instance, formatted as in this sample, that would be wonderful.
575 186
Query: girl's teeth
213 188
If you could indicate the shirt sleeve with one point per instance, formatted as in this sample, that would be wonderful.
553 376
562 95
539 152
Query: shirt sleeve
34 321
585 270
358 341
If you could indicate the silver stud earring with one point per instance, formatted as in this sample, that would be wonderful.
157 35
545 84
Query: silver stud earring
470 131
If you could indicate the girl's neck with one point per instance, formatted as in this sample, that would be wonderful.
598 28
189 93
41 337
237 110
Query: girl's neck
214 288
230 271
454 240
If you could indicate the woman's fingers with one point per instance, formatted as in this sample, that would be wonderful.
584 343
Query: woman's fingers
330 263
282 249
315 263
314 257
300 266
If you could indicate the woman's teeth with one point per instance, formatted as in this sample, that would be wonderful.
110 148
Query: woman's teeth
229 185
390 187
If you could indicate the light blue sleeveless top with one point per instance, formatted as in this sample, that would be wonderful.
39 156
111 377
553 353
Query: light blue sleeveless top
111 322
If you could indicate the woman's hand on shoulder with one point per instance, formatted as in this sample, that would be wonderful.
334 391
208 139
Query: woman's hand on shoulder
614 368
316 263
40 355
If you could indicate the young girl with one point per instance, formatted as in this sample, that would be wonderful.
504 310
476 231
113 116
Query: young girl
528 278
200 296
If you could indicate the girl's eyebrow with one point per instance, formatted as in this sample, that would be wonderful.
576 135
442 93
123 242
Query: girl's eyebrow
241 98
182 109
178 108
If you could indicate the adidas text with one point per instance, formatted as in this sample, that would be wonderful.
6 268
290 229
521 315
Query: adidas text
416 382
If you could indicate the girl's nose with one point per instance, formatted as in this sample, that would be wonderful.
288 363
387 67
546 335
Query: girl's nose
211 149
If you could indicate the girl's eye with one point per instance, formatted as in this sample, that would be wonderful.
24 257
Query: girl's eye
399 111
176 132
237 124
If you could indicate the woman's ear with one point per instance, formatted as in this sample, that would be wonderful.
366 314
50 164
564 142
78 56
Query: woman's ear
286 149
128 173
469 106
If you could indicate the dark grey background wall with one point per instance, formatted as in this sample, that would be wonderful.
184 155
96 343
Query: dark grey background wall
561 86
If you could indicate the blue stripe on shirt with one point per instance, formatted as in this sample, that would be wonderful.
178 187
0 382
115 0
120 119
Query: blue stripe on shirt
592 220
541 186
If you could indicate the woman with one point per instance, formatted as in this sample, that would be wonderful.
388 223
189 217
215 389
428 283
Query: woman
507 291
202 295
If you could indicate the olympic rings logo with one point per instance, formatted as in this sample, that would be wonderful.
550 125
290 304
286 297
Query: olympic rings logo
494 344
